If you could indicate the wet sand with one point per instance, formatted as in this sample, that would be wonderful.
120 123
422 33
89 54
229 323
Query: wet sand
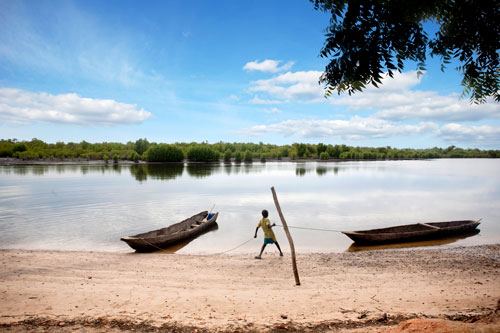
357 291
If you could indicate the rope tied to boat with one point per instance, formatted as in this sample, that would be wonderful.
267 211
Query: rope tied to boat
248 240
213 254
234 248
278 225
305 228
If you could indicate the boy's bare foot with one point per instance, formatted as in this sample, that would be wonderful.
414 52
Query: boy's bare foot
258 257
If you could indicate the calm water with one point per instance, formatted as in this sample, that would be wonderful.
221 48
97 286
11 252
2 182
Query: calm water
83 207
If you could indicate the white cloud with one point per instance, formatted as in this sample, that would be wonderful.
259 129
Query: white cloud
400 81
272 110
356 128
395 101
24 107
258 100
482 135
292 86
431 106
267 66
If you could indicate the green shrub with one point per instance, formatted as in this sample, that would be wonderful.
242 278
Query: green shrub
300 149
333 151
324 156
320 148
237 157
284 152
27 155
19 147
134 156
262 157
227 156
202 153
6 148
141 146
164 153
94 156
248 156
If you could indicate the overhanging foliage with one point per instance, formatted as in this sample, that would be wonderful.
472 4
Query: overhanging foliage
367 38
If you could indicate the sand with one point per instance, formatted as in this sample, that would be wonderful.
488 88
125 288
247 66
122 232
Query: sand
361 291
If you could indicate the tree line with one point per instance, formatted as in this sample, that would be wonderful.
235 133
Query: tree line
143 150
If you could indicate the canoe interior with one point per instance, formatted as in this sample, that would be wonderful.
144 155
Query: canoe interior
175 228
411 232
416 227
453 223
446 240
161 238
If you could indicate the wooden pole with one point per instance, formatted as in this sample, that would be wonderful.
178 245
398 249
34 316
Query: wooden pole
290 240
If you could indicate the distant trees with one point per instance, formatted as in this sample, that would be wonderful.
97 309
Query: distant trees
202 153
141 146
248 157
237 157
238 152
164 153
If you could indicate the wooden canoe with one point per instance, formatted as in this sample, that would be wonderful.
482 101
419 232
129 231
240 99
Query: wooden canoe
411 232
178 232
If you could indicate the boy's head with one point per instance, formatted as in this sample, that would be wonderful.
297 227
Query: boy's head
265 213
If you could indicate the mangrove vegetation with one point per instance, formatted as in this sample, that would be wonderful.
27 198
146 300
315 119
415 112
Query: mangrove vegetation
143 150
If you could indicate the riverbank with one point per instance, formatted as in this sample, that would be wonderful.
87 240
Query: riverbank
82 161
358 291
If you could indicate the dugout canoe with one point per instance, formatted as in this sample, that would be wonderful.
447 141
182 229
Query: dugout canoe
159 239
411 232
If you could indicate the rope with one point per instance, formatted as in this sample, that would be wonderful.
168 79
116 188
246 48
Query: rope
214 254
234 248
278 225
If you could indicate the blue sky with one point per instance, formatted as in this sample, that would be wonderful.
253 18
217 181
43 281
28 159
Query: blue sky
234 71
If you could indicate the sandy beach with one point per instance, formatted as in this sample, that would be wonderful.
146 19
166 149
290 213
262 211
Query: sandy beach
362 291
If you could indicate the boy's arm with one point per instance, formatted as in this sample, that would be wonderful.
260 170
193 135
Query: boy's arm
256 229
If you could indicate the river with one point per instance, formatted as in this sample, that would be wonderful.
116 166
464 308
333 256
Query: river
89 207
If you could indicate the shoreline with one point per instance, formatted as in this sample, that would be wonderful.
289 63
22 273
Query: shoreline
8 161
365 291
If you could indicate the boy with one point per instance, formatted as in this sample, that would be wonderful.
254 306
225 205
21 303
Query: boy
269 237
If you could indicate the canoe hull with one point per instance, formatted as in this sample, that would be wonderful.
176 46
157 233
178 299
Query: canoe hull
162 238
412 232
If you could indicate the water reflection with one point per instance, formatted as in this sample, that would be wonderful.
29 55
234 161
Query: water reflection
198 170
320 171
432 242
300 172
42 170
303 169
141 172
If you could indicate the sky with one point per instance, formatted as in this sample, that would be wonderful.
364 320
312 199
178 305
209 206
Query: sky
193 71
